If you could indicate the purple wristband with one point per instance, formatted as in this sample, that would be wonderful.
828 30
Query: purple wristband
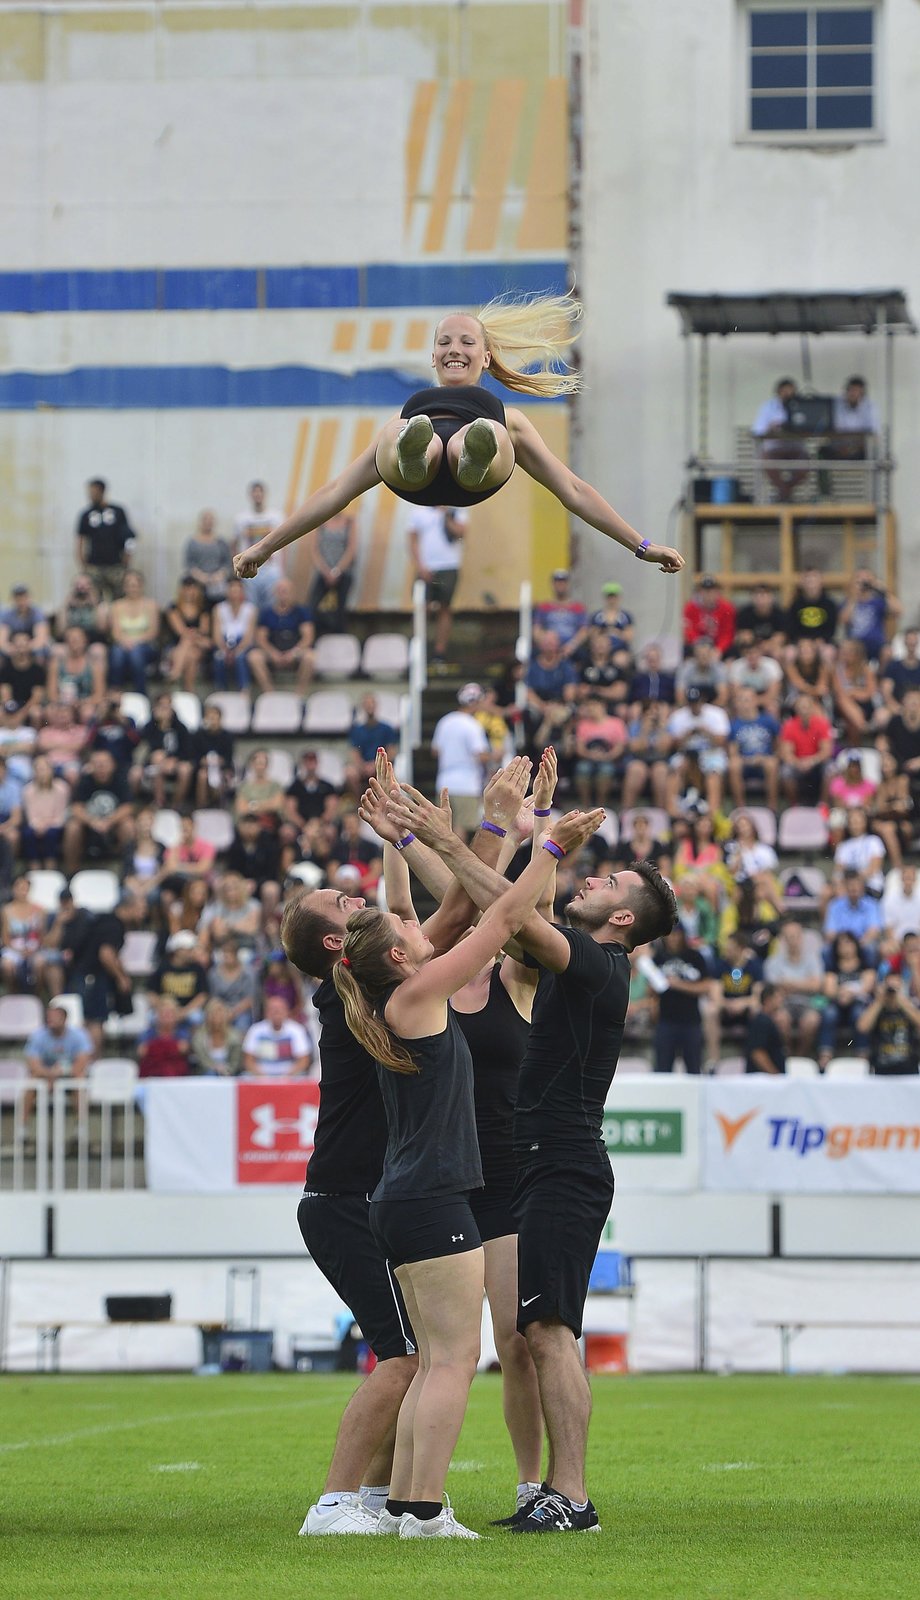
546 813
407 838
553 848
640 549
492 827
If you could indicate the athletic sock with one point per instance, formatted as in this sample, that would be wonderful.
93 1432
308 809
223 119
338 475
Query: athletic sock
527 1488
425 1510
576 1507
374 1498
327 1501
397 1508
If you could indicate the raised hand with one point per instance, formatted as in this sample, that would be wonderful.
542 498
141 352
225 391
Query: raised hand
544 784
384 773
524 822
505 792
412 813
373 809
575 829
248 562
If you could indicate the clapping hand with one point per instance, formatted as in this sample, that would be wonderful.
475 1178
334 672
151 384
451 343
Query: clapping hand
412 813
575 829
373 809
544 784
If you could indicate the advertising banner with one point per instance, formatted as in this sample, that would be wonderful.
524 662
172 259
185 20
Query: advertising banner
214 1136
652 1133
811 1137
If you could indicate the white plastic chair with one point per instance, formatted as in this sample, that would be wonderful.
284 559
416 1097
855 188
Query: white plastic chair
166 828
609 831
281 767
847 1067
111 1081
337 655
134 1024
45 885
730 1067
136 706
187 707
280 711
801 1067
20 1015
214 827
73 1005
763 819
12 1073
385 655
138 953
389 706
308 873
628 1065
813 882
328 711
331 767
95 889
802 828
234 708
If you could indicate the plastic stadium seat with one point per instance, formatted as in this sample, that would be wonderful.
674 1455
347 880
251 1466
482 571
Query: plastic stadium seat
111 1080
847 1067
279 711
764 821
138 953
234 708
812 881
214 827
308 873
20 1015
801 1067
95 889
133 1025
871 763
166 829
73 1005
659 822
281 767
802 828
609 830
389 706
187 707
328 711
730 1067
337 655
45 885
136 706
331 767
385 655
12 1073
633 1064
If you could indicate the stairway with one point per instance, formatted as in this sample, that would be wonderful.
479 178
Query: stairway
481 651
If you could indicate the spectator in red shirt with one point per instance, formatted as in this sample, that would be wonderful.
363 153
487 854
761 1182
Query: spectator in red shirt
164 1055
709 616
805 746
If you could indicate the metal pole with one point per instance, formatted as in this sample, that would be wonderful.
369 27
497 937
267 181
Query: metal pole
689 451
702 1314
703 427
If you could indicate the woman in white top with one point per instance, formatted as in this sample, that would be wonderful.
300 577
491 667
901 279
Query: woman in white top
234 635
746 855
862 851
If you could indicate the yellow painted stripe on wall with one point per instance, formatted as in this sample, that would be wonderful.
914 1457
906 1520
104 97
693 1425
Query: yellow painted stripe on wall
494 166
381 333
343 340
544 221
300 450
453 133
417 140
327 437
376 561
418 334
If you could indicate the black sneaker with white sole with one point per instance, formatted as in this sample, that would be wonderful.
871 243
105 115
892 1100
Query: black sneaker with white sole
555 1513
522 1511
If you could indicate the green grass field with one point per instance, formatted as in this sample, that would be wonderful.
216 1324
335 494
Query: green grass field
193 1489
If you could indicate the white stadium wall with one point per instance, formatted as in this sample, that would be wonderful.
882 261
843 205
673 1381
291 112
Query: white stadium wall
673 199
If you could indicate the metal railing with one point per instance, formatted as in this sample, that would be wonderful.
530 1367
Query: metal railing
71 1135
522 651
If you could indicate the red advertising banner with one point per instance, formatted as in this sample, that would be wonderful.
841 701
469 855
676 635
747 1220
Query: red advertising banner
275 1123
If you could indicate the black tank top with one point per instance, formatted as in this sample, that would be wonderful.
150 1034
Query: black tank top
351 1131
497 1036
450 409
431 1119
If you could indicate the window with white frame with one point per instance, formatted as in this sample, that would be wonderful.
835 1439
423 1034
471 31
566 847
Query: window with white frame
811 70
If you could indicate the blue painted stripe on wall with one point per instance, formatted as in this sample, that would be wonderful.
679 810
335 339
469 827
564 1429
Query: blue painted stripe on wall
378 286
208 388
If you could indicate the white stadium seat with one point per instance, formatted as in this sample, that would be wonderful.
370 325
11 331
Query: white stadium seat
847 1067
801 1067
136 706
234 708
166 828
45 885
328 711
138 953
385 655
20 1015
337 655
73 1005
802 828
187 707
214 827
95 889
279 711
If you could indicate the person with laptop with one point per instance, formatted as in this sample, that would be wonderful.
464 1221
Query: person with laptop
856 426
772 430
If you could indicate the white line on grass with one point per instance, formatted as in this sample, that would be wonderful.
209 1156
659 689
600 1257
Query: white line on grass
55 1439
178 1466
467 1466
732 1466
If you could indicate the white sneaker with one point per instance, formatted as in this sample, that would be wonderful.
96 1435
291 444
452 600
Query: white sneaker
387 1523
348 1516
443 1526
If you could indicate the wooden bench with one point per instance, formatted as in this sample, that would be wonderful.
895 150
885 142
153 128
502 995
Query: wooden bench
789 1331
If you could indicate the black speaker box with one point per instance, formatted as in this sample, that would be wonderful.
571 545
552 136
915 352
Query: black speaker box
138 1307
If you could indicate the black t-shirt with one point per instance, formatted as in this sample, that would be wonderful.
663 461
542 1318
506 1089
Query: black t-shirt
203 743
432 1146
101 799
904 743
812 619
602 675
179 983
894 1044
763 1034
738 982
903 677
106 530
575 1039
173 741
673 1004
750 620
106 929
119 738
310 798
23 681
497 1036
351 1130
259 861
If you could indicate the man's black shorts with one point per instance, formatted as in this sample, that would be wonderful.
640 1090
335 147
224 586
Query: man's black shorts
337 1232
561 1211
424 1229
440 589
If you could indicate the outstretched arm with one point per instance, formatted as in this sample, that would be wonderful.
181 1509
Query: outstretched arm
327 502
579 497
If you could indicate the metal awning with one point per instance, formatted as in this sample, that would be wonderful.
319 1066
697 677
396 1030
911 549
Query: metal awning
859 311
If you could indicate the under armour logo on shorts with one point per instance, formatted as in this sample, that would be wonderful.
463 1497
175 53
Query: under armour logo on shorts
455 1237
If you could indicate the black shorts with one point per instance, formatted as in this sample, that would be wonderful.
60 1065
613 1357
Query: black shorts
337 1232
424 1229
491 1207
442 586
561 1213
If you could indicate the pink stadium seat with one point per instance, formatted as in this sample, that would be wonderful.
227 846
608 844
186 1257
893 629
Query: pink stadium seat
802 828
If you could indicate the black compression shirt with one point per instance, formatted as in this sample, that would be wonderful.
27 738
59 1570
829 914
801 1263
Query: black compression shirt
575 1040
497 1036
351 1132
431 1119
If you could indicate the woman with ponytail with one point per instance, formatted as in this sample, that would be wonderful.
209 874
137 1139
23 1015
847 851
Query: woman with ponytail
456 445
395 993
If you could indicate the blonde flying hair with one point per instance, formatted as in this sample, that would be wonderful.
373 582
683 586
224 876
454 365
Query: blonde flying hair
534 331
360 978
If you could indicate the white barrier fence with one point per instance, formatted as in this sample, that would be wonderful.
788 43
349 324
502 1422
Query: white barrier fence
75 1134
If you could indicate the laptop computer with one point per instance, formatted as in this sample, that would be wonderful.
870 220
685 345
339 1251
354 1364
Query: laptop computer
811 413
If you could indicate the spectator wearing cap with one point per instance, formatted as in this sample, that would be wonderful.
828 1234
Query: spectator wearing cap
708 615
24 617
462 748
614 620
24 686
436 535
565 618
700 732
901 674
369 733
703 670
104 539
651 682
551 691
82 608
181 977
771 429
805 748
277 1047
761 621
